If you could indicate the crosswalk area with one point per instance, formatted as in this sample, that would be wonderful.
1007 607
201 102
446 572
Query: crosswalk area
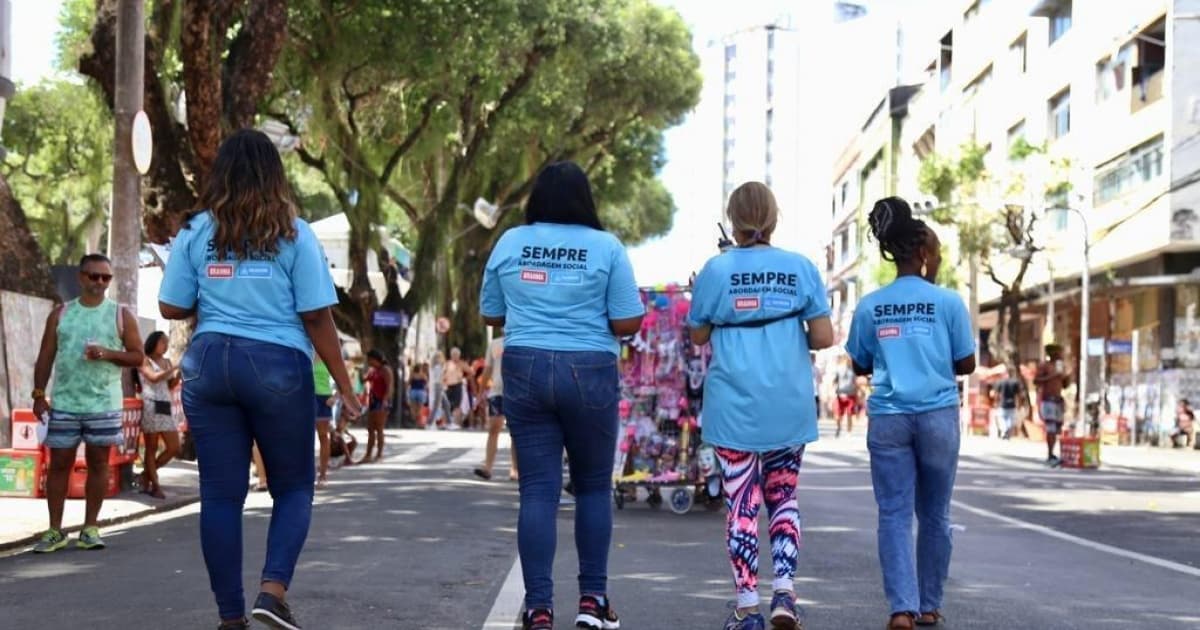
418 450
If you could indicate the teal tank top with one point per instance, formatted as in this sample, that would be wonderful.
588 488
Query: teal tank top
80 385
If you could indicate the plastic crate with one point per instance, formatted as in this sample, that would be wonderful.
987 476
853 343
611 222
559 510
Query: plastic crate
1080 452
22 473
77 486
26 430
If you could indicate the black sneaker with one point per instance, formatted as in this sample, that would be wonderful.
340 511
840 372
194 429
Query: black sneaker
234 625
540 619
595 614
274 612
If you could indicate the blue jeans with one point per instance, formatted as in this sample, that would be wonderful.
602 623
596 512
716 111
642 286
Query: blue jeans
914 458
237 391
556 399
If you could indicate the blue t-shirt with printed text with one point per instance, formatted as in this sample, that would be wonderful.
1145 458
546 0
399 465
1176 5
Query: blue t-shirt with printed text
557 286
758 395
911 333
260 297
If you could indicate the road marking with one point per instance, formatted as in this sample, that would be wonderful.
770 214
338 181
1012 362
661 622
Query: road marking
507 608
1082 542
824 461
414 454
472 457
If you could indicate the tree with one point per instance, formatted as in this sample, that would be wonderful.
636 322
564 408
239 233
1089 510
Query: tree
995 218
412 111
24 269
218 56
59 136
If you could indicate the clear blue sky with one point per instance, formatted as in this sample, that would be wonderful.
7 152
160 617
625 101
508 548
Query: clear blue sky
35 22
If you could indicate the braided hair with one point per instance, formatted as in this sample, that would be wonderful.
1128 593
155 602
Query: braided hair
900 236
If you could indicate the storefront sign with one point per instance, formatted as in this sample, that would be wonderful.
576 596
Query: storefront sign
1120 346
388 319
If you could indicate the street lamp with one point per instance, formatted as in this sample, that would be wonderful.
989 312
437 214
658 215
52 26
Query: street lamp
1084 308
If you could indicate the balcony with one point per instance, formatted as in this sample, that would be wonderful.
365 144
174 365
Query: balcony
1146 89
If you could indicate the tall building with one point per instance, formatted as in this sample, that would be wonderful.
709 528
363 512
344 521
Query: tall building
1108 88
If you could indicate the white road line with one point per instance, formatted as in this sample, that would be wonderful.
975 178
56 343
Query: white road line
822 461
1082 542
414 454
507 607
472 457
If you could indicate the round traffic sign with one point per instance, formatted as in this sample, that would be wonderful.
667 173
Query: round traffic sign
143 142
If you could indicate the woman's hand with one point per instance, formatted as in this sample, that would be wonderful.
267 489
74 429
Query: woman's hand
351 407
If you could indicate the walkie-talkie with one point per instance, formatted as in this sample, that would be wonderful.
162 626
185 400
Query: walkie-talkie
724 242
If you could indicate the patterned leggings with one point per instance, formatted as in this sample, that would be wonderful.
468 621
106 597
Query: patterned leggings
748 477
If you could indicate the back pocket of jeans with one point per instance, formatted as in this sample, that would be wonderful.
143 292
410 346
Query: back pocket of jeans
516 369
597 384
191 366
277 368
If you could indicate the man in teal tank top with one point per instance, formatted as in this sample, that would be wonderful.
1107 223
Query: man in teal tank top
86 343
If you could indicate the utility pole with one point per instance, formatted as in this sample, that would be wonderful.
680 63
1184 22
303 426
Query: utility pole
125 221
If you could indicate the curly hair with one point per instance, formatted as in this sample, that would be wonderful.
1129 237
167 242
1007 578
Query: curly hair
249 197
899 235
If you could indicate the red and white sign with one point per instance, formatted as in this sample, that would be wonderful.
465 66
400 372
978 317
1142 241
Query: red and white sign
887 332
220 271
442 325
535 276
746 304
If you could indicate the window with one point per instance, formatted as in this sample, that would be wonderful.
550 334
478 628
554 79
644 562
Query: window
845 192
978 83
1019 54
1140 165
770 39
1112 74
946 59
844 248
1060 20
1146 76
730 58
730 53
1016 133
1060 115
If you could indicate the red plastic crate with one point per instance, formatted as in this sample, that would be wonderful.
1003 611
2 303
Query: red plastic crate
25 430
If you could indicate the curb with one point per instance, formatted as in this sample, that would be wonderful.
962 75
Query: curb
167 506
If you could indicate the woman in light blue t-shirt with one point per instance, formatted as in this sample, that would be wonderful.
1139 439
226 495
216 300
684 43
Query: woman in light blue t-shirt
763 309
563 289
913 337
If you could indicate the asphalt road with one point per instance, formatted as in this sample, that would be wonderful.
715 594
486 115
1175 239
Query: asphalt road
417 543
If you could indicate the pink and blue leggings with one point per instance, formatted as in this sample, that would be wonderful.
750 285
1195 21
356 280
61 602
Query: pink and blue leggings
748 479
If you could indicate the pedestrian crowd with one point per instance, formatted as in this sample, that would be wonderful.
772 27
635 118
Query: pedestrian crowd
265 379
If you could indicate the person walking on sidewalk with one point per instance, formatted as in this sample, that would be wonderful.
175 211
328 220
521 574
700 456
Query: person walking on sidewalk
454 376
914 338
847 396
86 343
256 279
1006 394
380 382
323 408
493 376
158 378
1051 379
563 289
763 309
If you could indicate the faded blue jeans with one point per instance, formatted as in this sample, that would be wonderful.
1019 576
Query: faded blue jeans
914 458
237 391
551 400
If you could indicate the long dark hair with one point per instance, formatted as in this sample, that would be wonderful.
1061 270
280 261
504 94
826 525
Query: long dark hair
249 196
152 342
377 355
562 194
900 236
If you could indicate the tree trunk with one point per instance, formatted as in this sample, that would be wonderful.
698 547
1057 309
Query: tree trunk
24 268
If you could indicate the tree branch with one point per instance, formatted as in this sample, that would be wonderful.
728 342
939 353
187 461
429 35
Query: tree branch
410 139
252 58
410 210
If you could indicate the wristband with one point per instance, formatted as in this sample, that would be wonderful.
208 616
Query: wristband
38 394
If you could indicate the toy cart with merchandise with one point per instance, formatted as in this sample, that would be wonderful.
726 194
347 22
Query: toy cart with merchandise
660 457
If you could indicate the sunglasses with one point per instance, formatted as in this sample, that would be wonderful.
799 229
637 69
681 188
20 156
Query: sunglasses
99 277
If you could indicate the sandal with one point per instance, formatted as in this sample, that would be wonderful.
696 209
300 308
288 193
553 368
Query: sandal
933 618
900 621
483 474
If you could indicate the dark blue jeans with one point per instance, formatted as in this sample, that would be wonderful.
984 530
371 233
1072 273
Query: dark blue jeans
237 391
556 399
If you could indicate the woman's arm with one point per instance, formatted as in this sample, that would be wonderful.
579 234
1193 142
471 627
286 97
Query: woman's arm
701 334
152 374
625 327
820 333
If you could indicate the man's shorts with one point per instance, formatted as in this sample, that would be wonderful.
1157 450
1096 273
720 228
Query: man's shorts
1052 412
846 404
67 429
321 407
495 405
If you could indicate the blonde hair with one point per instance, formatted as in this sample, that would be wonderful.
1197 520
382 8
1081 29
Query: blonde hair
753 212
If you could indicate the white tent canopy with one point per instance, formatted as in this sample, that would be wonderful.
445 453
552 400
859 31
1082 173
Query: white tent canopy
334 234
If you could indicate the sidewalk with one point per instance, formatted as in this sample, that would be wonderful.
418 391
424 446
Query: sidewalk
25 519
1147 459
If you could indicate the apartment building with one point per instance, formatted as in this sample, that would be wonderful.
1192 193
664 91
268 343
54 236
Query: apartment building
1110 87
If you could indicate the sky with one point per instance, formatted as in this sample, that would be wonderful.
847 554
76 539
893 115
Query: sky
671 258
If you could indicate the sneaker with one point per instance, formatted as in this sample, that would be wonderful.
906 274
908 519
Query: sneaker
595 614
785 614
51 541
90 538
752 621
540 619
274 612
234 625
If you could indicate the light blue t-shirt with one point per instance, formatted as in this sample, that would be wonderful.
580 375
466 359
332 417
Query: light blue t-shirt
911 333
260 297
557 286
758 395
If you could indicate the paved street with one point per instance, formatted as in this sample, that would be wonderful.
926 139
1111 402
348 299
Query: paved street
417 542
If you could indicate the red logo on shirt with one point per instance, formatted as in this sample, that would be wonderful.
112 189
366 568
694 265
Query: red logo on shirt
886 332
746 304
534 276
221 272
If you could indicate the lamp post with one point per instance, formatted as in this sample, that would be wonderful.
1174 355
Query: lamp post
1084 308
